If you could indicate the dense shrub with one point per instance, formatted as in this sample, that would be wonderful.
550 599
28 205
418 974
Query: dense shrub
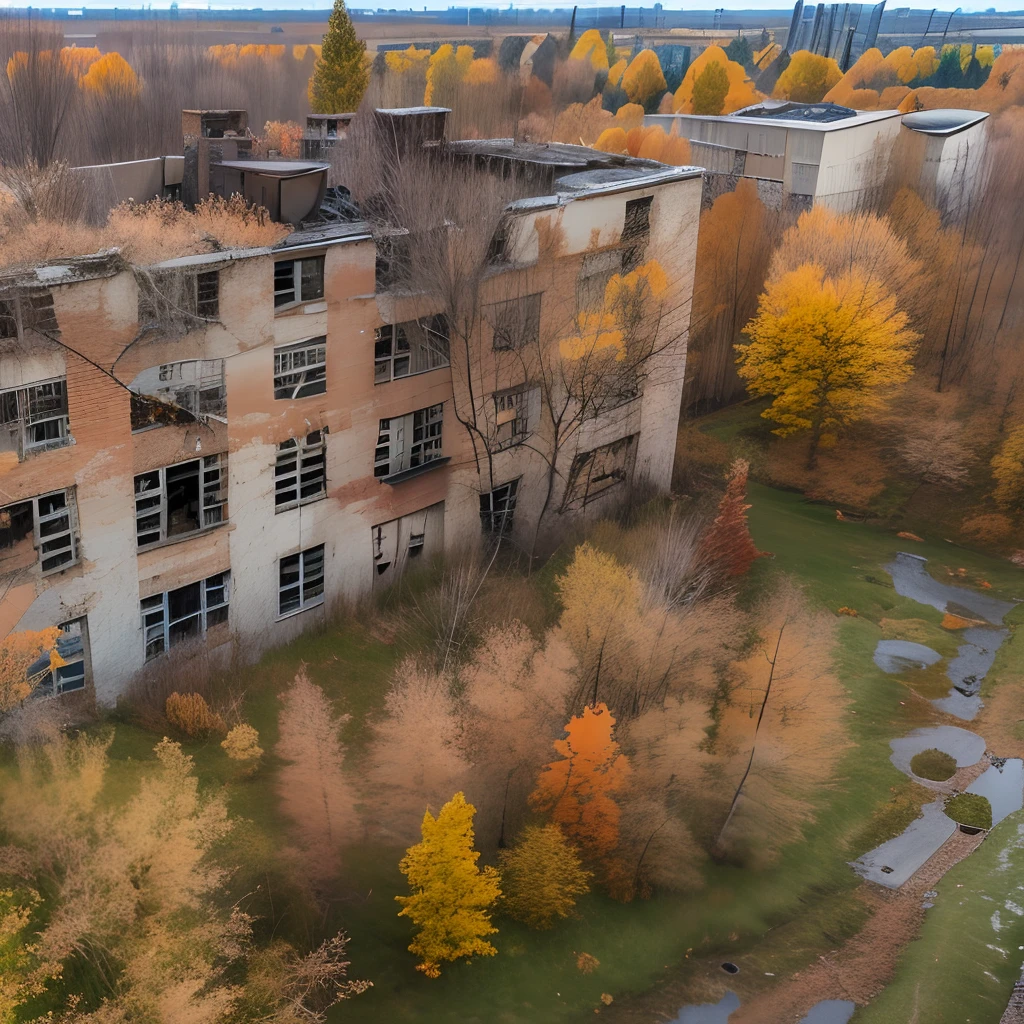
190 713
970 809
933 764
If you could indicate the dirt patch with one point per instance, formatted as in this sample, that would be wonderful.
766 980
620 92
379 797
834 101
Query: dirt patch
1001 720
861 968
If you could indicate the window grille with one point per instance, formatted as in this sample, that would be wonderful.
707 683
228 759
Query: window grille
300 370
300 473
301 580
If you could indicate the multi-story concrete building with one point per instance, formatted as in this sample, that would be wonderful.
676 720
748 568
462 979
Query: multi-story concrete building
294 434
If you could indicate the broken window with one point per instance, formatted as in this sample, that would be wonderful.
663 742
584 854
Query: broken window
183 614
414 536
407 442
178 298
498 247
42 528
71 675
29 311
301 580
181 392
497 508
636 231
300 473
180 499
511 416
300 370
35 417
516 322
298 281
402 350
597 270
594 472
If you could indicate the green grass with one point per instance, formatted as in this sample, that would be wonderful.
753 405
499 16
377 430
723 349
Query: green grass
967 958
933 764
969 809
776 920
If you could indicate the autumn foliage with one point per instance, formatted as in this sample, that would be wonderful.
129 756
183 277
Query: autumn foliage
578 791
643 79
807 78
727 545
451 897
18 651
737 91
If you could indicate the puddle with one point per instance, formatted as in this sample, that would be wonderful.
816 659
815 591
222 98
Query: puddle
709 1013
899 655
892 863
911 579
963 746
830 1011
1003 787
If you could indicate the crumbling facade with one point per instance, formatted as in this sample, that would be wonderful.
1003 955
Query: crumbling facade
218 449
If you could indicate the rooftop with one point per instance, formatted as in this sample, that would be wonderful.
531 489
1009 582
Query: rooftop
945 121
818 113
822 117
276 168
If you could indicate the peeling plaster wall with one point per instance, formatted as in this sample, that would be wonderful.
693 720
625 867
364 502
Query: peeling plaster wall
99 318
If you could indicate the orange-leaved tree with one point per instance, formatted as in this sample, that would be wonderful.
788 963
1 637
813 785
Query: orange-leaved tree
826 350
710 88
451 897
591 47
19 652
740 92
727 546
578 791
111 75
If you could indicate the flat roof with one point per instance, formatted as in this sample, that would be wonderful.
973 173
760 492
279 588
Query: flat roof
943 121
859 118
275 168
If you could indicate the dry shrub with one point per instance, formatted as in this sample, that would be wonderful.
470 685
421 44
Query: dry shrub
448 611
190 713
415 761
989 527
586 963
243 743
700 459
311 786
185 669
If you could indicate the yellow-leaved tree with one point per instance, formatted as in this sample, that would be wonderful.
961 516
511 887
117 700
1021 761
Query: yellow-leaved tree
591 47
643 79
111 75
451 897
19 652
826 350
1008 471
542 876
807 78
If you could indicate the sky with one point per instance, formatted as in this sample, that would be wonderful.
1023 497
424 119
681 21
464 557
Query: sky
693 5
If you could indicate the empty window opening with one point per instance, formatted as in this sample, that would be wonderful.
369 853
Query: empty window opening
301 581
297 281
300 370
300 473
498 507
35 418
183 392
184 614
594 472
402 350
637 223
516 322
171 299
68 677
181 499
41 528
32 311
407 442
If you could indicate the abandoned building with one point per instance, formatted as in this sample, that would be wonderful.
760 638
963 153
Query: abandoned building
301 428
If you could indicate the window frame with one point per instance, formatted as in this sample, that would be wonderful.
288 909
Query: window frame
525 327
517 401
301 583
489 514
296 459
156 607
297 291
410 455
42 535
603 266
192 397
393 335
28 311
304 385
54 682
585 461
190 293
636 225
22 423
211 476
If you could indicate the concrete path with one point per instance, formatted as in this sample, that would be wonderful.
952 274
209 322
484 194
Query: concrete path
892 863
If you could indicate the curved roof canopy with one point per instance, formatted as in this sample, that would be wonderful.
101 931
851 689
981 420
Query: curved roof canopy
945 121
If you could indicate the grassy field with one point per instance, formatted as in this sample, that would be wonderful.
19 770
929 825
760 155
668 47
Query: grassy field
653 955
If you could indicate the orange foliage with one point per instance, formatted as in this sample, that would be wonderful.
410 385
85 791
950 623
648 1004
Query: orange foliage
616 71
728 545
644 77
741 91
578 790
284 136
78 59
612 140
650 143
807 78
629 115
110 75
483 71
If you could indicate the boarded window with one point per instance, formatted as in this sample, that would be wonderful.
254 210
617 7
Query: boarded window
594 472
